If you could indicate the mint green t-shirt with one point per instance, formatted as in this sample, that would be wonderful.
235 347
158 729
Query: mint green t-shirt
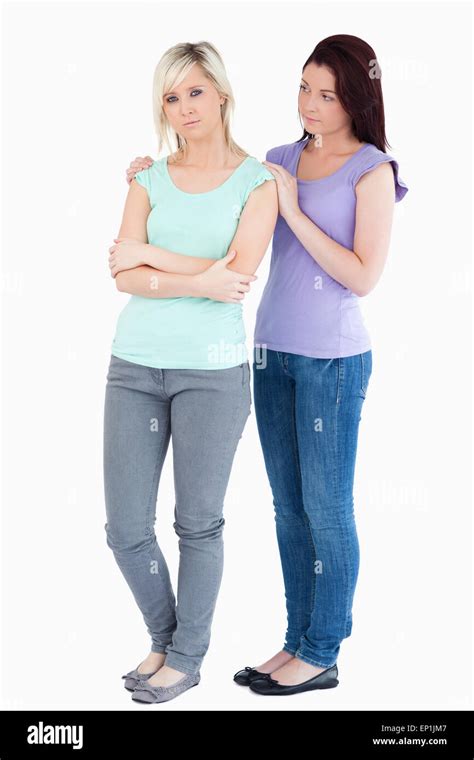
188 332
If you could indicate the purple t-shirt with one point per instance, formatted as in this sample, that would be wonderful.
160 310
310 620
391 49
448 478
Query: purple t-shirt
303 310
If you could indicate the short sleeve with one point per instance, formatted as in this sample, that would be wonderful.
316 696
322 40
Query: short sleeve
144 178
273 155
401 188
261 176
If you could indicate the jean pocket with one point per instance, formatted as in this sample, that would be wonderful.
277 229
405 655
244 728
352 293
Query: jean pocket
365 372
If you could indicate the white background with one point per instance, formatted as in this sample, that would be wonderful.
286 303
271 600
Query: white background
77 82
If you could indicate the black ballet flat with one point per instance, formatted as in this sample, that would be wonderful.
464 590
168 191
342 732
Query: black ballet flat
247 675
265 684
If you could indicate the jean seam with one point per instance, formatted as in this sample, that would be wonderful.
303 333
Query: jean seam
305 515
340 379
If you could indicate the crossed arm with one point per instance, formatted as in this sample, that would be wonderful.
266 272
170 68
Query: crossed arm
168 274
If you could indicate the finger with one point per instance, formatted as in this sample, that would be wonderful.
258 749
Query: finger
271 165
276 170
277 167
242 288
141 163
247 277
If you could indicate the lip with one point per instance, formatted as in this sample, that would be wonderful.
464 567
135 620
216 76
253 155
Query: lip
190 123
310 119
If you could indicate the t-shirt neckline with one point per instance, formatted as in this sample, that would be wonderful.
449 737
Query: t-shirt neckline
207 192
329 176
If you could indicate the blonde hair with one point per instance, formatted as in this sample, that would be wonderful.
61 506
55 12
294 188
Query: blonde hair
171 70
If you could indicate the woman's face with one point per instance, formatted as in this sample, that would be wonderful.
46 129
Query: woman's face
193 108
320 108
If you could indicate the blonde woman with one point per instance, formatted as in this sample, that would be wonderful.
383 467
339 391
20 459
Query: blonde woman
179 367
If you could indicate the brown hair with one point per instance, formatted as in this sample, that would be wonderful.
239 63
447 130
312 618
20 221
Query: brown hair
358 85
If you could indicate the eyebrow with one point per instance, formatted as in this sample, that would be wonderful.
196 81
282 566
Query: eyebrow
189 88
323 90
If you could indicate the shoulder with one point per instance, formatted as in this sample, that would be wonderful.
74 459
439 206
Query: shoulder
254 174
148 178
145 175
370 158
282 154
254 168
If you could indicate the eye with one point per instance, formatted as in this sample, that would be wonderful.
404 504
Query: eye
327 97
169 99
302 87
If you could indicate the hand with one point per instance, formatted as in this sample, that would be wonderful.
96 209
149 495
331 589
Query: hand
127 254
287 189
137 166
222 284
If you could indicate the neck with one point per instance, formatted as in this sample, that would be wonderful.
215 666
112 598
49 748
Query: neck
209 152
334 143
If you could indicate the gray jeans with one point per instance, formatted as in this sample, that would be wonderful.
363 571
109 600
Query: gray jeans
204 412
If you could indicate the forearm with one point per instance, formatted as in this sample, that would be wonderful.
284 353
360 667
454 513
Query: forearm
342 264
176 263
150 283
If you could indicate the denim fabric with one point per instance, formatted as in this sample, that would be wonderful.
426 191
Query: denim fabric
308 412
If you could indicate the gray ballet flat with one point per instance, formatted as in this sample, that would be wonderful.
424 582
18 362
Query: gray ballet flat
133 677
144 692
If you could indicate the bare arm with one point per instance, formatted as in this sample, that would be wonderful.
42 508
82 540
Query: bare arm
168 261
151 283
360 269
255 229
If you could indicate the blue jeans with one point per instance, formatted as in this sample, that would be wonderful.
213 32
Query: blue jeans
203 412
308 412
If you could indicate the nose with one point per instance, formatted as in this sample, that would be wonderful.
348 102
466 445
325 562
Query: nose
186 108
311 104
